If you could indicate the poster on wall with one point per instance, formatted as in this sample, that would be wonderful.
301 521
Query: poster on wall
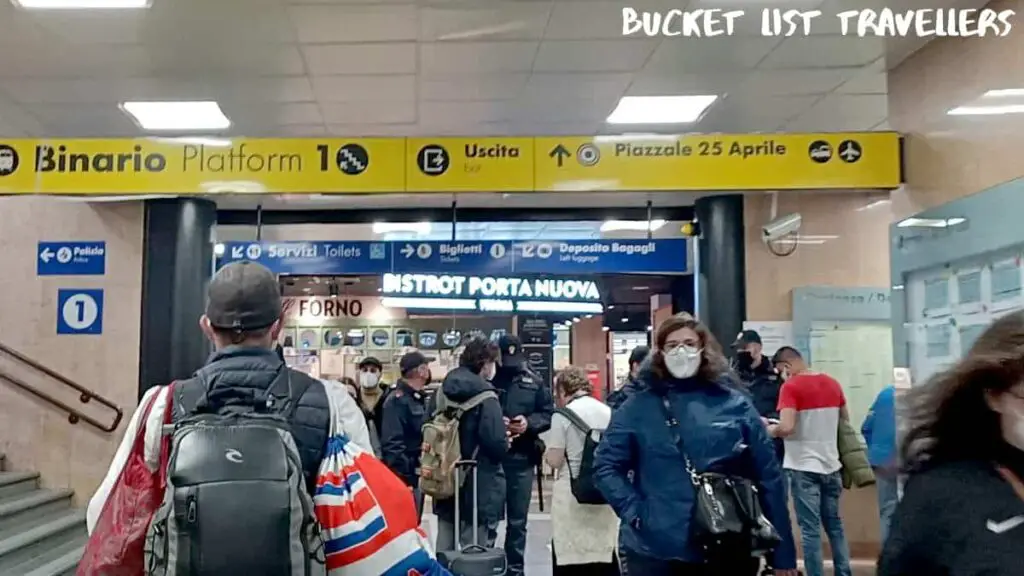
774 335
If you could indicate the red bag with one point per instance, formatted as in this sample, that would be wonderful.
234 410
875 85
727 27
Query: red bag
116 545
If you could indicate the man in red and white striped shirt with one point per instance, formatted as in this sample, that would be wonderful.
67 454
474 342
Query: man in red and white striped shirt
810 407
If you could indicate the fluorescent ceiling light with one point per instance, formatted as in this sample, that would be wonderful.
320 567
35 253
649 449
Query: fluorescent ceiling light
660 109
986 110
207 141
81 4
631 225
1004 93
875 204
930 222
421 228
429 303
567 307
177 116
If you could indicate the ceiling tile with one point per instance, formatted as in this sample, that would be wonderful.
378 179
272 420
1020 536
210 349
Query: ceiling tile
872 79
754 113
564 110
437 114
364 88
653 83
369 130
302 130
547 86
597 19
476 57
593 55
330 59
392 112
824 52
504 21
716 55
97 61
749 24
80 120
842 112
482 87
243 59
332 24
795 82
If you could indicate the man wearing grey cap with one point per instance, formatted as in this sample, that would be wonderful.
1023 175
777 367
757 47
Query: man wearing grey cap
243 321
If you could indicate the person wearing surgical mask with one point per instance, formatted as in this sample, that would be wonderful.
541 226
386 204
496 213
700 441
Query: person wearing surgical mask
962 451
372 393
641 469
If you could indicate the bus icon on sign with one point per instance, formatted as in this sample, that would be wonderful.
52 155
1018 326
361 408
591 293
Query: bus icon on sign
8 160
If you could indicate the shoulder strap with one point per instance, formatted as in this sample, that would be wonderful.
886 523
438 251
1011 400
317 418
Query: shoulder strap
473 402
673 429
575 420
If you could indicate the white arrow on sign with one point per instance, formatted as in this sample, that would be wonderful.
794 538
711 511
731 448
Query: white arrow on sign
408 251
236 252
46 255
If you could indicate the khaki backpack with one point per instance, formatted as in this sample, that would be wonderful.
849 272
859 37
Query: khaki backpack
442 448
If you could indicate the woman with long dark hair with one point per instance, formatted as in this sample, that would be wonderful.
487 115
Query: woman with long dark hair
687 420
962 512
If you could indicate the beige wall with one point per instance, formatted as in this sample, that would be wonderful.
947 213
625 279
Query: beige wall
948 157
857 256
34 435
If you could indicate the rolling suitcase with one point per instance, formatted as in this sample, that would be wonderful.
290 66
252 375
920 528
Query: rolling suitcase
472 560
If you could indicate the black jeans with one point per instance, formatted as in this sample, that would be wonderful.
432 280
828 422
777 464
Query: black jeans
518 491
634 564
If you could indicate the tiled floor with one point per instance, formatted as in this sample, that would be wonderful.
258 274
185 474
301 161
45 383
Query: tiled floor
538 539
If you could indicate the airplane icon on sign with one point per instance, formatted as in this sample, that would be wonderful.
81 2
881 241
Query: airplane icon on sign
849 151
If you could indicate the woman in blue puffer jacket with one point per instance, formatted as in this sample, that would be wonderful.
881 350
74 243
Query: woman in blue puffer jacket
721 432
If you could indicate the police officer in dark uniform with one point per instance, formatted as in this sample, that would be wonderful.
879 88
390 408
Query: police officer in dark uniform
759 377
527 405
403 415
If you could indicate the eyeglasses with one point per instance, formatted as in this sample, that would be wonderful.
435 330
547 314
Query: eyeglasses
689 343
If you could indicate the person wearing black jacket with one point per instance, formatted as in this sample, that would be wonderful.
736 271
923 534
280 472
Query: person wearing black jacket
632 384
527 405
759 378
405 410
482 437
962 512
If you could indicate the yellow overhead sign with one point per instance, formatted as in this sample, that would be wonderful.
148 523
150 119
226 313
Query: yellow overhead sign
390 165
720 162
469 164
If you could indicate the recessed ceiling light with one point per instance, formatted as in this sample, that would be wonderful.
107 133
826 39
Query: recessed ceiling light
177 116
660 109
81 4
986 110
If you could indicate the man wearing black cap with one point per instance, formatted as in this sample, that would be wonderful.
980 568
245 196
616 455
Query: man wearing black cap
632 384
758 375
405 410
527 405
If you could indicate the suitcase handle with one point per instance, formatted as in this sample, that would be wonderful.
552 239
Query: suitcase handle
467 464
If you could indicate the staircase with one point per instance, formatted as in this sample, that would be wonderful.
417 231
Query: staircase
40 533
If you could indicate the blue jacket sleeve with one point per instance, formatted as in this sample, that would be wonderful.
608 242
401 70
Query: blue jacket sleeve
615 458
869 421
493 440
392 445
773 491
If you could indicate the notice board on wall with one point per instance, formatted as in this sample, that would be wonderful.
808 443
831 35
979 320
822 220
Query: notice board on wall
949 306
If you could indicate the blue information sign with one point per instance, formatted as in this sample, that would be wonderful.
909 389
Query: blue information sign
71 259
562 257
79 311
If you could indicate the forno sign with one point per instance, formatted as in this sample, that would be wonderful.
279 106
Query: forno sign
451 286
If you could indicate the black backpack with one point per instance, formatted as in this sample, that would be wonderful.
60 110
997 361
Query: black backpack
582 484
236 500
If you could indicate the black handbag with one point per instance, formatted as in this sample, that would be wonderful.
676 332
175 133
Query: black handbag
727 516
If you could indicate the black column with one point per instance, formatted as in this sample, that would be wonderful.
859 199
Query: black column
176 267
721 265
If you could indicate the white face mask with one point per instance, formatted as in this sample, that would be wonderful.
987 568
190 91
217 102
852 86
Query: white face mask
683 362
368 379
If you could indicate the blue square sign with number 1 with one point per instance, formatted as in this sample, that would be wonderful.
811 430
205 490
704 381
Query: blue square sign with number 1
79 311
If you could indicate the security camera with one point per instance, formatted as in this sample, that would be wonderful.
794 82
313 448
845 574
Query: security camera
781 227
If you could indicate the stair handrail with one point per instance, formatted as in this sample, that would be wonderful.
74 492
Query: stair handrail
85 395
